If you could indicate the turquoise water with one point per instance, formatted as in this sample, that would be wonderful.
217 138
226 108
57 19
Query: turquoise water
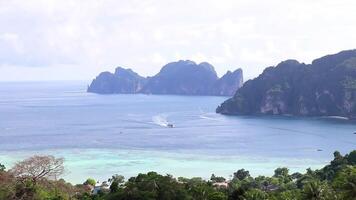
101 135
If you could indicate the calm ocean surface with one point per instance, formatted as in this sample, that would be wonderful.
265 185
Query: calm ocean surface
101 135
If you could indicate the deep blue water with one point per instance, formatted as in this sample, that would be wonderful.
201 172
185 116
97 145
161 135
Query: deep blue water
128 133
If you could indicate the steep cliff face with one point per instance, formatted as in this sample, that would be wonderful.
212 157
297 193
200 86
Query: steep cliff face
183 77
228 84
123 81
326 87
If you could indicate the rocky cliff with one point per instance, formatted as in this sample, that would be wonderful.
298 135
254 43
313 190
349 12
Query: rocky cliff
228 84
183 77
123 81
327 87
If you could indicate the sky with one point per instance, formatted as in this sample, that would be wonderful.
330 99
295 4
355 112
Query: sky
76 40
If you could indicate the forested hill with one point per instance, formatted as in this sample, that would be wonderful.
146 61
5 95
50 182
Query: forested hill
326 87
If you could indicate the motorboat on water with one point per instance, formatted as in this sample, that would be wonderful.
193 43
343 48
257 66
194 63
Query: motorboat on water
170 125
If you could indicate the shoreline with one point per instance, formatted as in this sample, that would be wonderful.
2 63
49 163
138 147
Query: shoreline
130 163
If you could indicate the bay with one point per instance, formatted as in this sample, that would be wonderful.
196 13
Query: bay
101 135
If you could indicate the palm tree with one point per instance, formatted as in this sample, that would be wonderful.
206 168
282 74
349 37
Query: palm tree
313 190
317 190
345 182
350 190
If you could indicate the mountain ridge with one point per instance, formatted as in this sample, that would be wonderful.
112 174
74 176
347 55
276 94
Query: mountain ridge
183 77
326 87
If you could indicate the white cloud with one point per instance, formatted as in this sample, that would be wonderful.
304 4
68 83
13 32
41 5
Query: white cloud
54 39
158 59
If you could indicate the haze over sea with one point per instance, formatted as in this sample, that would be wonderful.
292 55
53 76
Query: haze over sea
102 135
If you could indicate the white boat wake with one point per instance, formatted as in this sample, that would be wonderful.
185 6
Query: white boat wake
160 120
209 116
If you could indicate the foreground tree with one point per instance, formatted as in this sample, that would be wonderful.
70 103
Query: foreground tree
90 181
351 157
7 184
217 179
2 167
336 181
318 190
117 182
241 174
29 172
345 183
256 194
38 167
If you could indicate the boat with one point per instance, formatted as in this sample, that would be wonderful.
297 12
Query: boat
170 125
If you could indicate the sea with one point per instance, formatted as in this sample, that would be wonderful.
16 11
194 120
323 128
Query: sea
126 134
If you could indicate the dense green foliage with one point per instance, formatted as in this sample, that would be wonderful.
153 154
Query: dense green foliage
335 181
2 167
90 181
327 87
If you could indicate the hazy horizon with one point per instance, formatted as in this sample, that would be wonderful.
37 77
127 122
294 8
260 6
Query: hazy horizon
56 40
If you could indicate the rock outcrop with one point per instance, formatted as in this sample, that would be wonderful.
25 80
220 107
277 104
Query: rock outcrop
123 81
179 78
228 84
327 87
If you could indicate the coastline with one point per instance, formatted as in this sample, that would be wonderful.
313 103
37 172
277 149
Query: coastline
102 163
